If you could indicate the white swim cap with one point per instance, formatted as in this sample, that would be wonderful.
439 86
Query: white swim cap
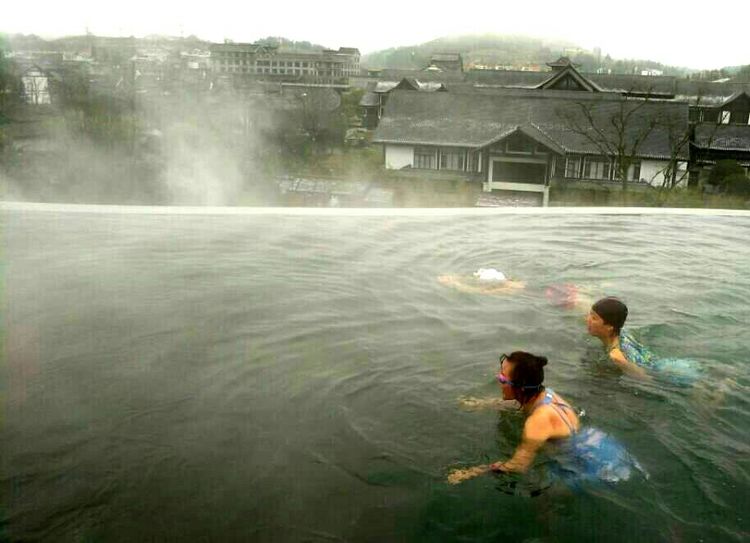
490 274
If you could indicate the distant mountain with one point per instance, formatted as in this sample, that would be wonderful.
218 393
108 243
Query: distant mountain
509 52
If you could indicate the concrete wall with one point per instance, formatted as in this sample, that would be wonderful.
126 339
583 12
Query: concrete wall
398 156
518 188
652 171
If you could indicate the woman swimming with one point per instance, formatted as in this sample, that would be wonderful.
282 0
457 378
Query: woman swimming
492 281
586 453
605 321
482 281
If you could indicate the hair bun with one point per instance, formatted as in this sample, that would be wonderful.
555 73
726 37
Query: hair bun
542 361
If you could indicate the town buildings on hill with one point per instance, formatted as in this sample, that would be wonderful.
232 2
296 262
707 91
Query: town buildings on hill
517 131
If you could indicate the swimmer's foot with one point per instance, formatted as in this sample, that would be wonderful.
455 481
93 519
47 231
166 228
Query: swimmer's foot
715 396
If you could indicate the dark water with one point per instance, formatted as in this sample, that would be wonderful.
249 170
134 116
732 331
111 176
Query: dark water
183 377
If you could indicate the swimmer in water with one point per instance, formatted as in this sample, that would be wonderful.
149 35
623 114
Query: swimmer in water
606 320
482 281
550 420
492 281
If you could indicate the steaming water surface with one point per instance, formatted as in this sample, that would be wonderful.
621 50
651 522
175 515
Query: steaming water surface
285 378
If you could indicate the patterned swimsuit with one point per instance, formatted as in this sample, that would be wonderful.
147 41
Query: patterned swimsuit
588 454
680 371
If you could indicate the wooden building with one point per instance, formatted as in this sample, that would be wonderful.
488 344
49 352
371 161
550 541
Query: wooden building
563 129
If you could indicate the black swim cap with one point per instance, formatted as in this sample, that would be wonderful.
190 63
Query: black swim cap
528 369
612 311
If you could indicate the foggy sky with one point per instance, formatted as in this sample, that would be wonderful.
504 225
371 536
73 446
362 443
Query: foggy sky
665 31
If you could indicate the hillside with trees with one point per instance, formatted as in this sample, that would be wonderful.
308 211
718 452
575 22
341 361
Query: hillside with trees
510 52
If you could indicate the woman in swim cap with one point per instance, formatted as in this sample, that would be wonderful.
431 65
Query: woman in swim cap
482 281
551 419
606 320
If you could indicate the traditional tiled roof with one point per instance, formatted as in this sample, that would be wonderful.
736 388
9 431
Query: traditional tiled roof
736 95
369 99
477 119
561 62
390 74
408 83
385 86
512 78
568 71
605 82
634 83
724 137
707 93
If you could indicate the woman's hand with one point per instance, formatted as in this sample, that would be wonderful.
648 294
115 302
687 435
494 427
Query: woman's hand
460 475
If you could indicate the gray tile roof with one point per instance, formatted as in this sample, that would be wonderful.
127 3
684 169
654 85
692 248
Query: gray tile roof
389 74
369 99
724 137
636 83
706 93
736 95
571 72
419 84
684 89
508 78
478 118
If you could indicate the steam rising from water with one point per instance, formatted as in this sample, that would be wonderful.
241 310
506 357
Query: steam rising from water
183 149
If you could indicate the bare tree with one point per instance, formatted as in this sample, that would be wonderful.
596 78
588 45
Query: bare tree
679 136
615 128
317 109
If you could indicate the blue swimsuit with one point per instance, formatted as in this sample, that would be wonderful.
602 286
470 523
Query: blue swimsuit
681 371
589 454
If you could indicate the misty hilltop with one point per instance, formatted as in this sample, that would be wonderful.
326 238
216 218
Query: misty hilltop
493 51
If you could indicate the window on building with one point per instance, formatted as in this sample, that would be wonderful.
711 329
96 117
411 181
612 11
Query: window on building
596 168
473 165
634 170
424 158
558 167
725 116
572 167
451 159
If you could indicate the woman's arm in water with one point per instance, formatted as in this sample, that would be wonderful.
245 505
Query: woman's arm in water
627 366
458 282
536 432
470 403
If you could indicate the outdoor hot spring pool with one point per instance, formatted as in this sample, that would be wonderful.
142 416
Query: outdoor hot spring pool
175 375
